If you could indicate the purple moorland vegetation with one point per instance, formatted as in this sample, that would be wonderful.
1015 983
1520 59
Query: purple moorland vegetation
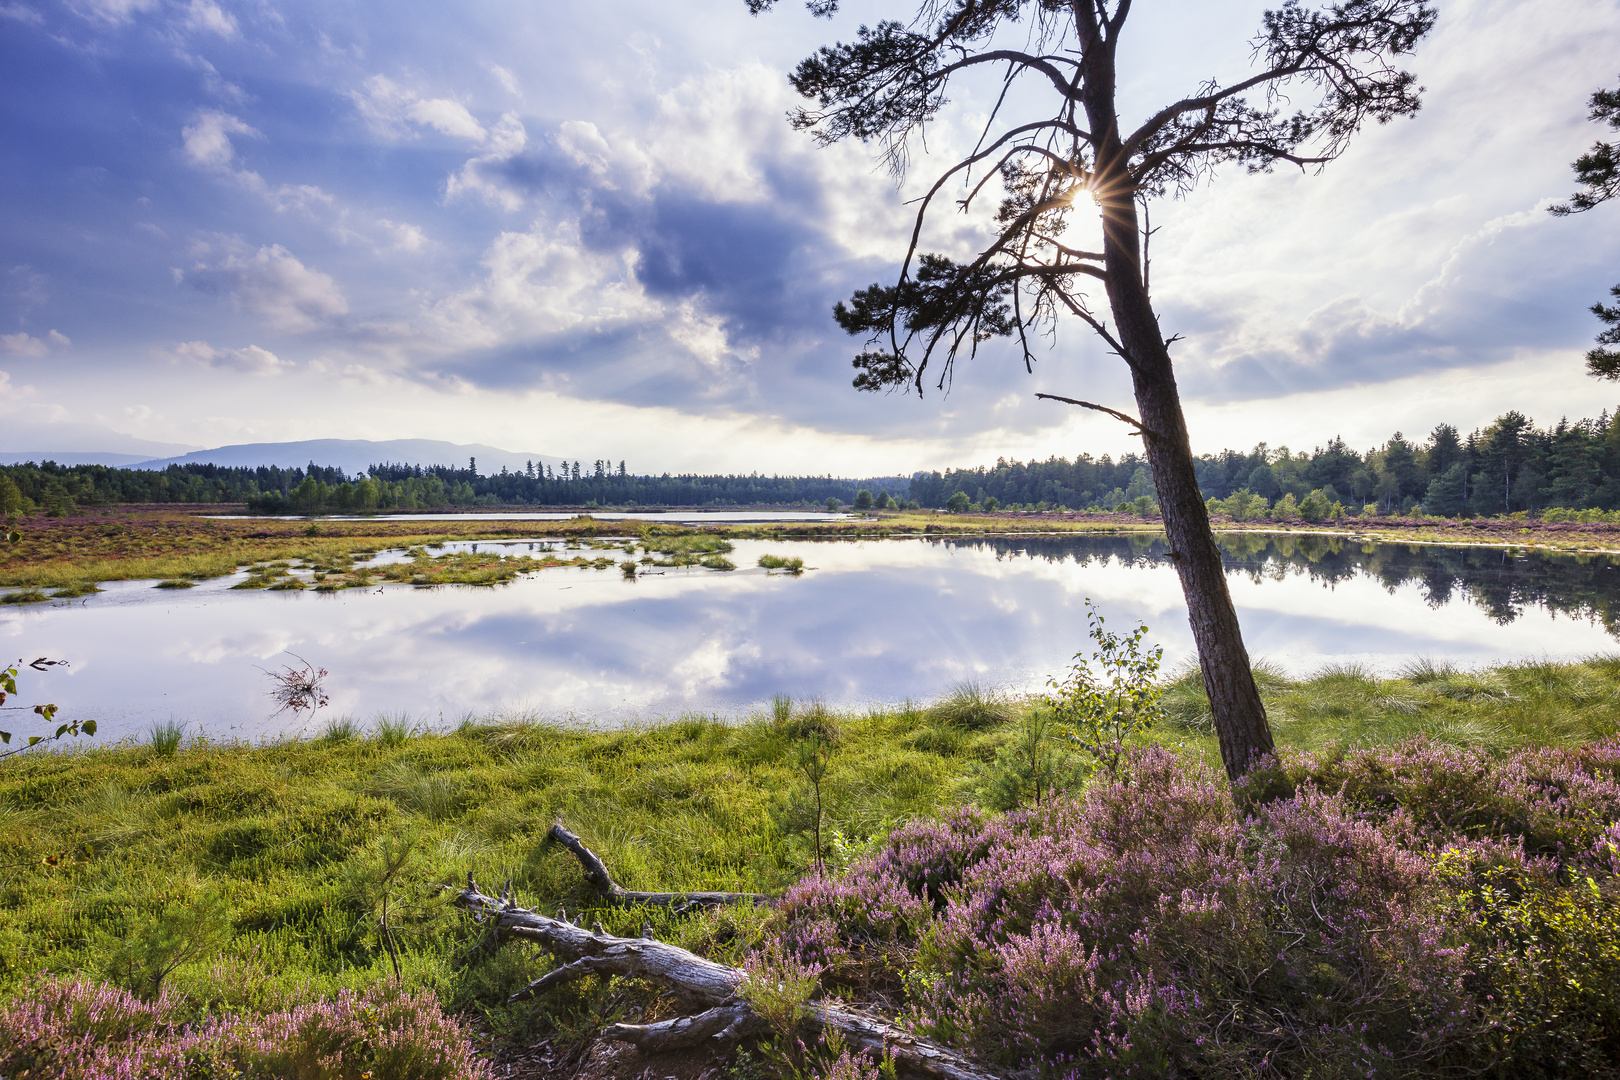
1420 910
75 1029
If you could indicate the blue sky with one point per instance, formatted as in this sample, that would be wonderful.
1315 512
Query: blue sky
587 230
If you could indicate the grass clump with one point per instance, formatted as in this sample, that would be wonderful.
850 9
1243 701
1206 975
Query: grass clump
24 596
789 564
972 707
166 738
175 583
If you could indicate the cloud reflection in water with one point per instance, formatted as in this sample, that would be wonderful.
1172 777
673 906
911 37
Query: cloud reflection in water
872 621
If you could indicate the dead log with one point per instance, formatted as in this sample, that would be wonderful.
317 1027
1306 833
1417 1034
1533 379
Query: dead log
596 872
699 984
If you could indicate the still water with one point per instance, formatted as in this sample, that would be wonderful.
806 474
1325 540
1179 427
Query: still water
875 621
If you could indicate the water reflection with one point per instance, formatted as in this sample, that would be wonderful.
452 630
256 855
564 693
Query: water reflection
1504 583
869 621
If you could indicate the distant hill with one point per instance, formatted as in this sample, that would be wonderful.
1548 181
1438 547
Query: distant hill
351 455
72 458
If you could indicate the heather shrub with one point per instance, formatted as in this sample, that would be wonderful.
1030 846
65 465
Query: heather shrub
79 1030
1372 920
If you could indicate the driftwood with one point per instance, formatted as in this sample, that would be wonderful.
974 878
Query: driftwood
596 872
699 984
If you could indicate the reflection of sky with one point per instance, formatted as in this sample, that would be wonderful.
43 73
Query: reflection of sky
871 621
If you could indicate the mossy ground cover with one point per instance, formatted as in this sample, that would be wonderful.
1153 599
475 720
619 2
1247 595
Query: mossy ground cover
106 850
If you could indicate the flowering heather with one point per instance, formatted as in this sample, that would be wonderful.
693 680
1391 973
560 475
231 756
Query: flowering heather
79 1030
1405 911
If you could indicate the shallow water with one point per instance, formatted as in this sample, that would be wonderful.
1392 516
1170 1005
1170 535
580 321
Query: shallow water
679 517
873 621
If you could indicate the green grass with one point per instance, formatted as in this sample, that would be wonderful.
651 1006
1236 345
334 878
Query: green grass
98 841
1498 708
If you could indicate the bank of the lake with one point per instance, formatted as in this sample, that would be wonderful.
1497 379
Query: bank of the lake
258 872
167 542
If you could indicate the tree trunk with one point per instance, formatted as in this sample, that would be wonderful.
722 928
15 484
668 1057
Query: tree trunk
1234 700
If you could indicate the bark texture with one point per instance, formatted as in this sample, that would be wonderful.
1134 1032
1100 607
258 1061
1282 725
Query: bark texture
700 985
1235 707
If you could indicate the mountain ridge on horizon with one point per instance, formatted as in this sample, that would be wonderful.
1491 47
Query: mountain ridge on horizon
353 456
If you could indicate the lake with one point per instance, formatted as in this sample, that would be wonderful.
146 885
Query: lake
872 621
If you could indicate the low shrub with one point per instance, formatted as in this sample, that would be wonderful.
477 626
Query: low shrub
80 1030
1400 912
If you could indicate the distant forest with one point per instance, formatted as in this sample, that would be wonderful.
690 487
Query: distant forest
315 489
1510 466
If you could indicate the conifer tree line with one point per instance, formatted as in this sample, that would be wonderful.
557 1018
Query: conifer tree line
1510 466
390 486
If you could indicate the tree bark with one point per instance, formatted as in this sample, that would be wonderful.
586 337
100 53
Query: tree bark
698 983
1235 708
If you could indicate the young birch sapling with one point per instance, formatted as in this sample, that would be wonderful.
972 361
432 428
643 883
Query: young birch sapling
1102 708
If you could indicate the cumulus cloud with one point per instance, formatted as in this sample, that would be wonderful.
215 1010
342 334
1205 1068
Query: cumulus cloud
207 139
23 344
203 16
488 174
250 360
390 109
274 285
207 145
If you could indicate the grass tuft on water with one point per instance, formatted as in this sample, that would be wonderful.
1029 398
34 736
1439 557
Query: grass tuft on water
24 596
175 583
790 564
166 738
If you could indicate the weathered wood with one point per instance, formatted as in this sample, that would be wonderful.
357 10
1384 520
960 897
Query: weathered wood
596 872
699 983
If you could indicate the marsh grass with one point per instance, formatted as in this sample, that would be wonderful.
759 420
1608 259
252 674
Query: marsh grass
971 706
24 596
175 583
166 737
791 565
1530 702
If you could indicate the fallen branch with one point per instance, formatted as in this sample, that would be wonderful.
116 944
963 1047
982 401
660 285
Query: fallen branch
596 872
699 984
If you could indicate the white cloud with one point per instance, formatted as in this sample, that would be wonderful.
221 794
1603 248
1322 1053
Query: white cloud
111 11
21 13
390 109
250 360
449 117
507 80
207 17
543 281
406 237
274 285
482 175
208 138
23 344
207 142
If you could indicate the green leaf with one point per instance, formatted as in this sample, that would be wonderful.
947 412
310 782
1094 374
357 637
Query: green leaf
5 737
89 727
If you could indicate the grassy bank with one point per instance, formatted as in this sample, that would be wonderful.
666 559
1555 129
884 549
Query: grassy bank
275 856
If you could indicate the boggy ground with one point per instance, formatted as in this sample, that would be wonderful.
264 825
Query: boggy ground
186 543
245 877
